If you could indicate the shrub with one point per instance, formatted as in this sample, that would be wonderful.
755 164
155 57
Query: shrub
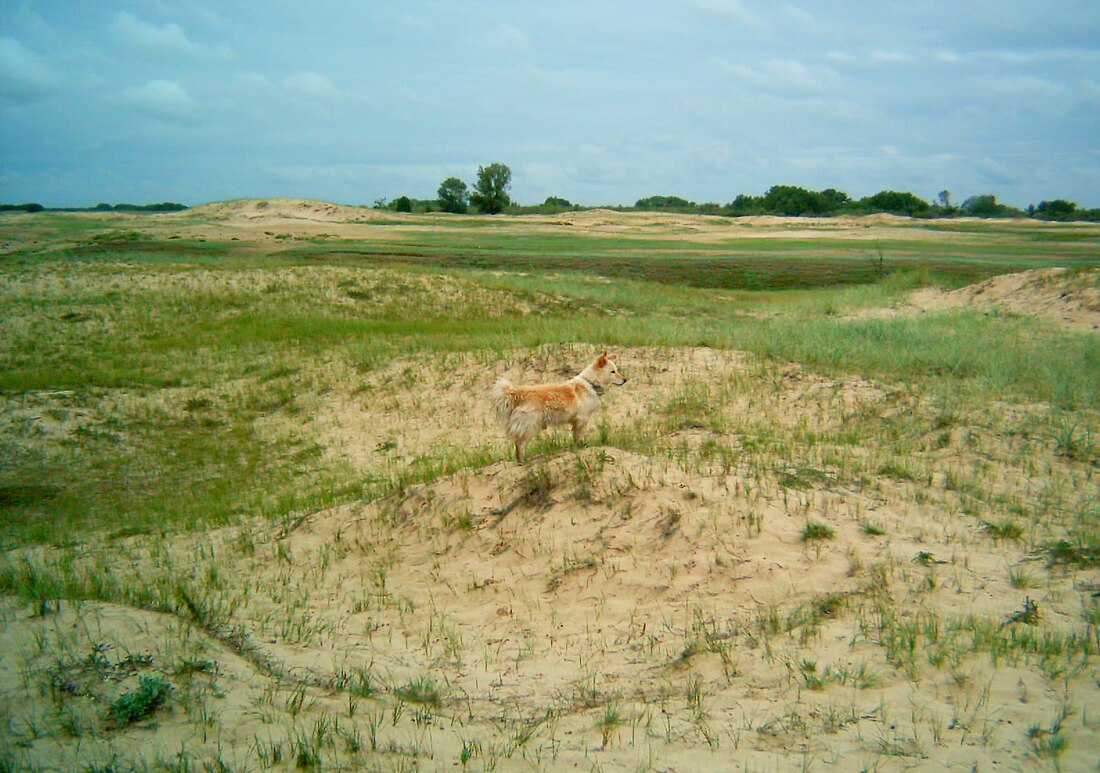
152 692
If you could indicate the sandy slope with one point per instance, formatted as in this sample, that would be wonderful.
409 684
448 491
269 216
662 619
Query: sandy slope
1072 298
672 588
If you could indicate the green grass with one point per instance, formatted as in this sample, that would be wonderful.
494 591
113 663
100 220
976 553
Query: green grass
165 339
145 468
208 341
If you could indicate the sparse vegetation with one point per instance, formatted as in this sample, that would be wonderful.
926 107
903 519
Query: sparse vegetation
256 514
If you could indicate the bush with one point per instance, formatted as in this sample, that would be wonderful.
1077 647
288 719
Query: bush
664 202
794 201
895 203
152 692
986 206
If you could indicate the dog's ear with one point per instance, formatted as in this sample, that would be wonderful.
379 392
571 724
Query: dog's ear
601 360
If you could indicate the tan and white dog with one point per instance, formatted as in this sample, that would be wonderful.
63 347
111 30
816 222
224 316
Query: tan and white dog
524 411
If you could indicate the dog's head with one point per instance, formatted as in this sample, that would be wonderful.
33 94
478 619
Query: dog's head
605 372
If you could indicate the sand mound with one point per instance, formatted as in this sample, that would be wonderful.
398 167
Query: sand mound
286 209
1070 297
660 597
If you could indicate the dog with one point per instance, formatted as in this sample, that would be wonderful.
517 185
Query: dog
524 411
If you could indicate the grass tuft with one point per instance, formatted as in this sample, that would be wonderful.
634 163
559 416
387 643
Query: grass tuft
816 531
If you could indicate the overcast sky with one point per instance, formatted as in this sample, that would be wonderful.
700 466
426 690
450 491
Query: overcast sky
599 102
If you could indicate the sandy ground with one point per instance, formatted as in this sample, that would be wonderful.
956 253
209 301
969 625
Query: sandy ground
601 608
280 221
1062 296
1072 298
671 591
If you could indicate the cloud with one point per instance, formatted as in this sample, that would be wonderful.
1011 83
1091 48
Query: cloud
1026 86
876 57
783 77
1090 91
1027 92
253 81
993 172
729 10
24 76
161 99
169 39
512 38
312 86
880 56
354 181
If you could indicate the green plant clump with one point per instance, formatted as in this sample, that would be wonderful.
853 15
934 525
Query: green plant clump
815 530
135 705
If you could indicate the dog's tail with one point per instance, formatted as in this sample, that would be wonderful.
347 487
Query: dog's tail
502 397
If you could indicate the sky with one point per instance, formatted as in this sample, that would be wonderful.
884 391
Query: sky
598 102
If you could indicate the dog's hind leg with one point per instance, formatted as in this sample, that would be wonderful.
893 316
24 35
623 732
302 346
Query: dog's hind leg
521 445
521 442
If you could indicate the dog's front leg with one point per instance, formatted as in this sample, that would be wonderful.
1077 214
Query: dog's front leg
578 431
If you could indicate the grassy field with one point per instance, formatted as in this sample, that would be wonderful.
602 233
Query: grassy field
255 515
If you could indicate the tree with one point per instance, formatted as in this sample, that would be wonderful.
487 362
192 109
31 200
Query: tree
745 204
403 204
453 196
1059 209
491 192
895 202
792 200
664 202
986 205
834 199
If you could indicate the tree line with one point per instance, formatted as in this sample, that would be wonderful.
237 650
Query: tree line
793 201
490 196
164 206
